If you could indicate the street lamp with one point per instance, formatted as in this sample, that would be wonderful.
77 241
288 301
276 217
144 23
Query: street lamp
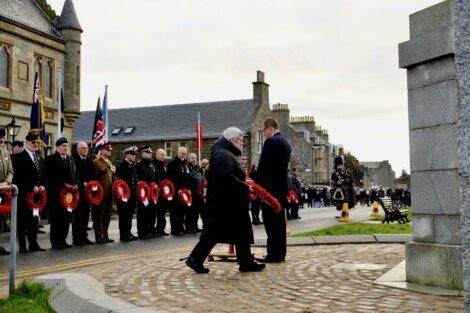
13 129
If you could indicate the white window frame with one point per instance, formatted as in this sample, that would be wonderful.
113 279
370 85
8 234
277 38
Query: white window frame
168 149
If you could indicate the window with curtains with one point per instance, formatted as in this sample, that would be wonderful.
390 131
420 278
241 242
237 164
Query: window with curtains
4 67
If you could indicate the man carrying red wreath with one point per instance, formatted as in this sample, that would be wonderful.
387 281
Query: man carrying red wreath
101 214
86 173
29 176
60 173
162 205
127 171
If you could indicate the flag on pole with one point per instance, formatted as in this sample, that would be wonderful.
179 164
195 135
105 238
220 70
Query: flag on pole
98 128
61 111
105 113
198 133
36 123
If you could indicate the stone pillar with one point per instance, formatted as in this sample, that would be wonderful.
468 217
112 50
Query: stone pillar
438 98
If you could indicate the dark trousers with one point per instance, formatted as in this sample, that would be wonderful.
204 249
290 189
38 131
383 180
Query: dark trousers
145 218
204 247
126 211
294 210
192 216
27 226
152 217
80 220
275 225
176 215
162 206
60 219
101 216
255 211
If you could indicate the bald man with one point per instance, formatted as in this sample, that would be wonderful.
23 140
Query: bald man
162 204
178 173
85 174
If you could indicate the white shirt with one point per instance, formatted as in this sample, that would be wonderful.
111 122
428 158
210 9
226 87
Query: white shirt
275 133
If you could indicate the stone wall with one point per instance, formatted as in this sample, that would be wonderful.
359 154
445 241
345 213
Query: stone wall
434 257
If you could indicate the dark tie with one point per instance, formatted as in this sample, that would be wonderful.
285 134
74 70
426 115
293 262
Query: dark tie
36 161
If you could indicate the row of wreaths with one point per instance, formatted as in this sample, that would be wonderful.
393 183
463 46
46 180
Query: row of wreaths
146 193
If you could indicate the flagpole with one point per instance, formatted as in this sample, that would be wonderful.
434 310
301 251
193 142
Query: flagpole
106 121
59 105
199 137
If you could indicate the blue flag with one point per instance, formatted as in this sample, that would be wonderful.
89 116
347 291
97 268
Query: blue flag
36 124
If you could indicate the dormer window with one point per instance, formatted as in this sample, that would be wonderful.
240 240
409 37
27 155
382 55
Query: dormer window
129 130
116 131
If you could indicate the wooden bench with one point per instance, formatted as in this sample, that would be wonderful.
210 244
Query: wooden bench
393 212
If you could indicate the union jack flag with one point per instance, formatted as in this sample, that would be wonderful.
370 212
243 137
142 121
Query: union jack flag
98 128
36 123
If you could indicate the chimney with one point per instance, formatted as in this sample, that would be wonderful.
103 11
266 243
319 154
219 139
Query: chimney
281 113
260 90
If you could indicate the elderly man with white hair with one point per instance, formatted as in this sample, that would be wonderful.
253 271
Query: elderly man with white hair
179 175
227 215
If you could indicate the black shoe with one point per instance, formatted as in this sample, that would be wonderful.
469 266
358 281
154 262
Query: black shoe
198 230
57 247
267 259
109 240
89 228
40 226
163 233
197 267
66 245
126 238
152 235
3 251
100 241
35 248
251 267
193 231
134 238
78 243
88 242
143 237
176 233
185 231
23 249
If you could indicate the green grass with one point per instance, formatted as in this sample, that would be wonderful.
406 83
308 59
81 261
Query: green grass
363 228
29 298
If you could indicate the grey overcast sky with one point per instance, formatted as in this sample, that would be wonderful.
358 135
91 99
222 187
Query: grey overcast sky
334 59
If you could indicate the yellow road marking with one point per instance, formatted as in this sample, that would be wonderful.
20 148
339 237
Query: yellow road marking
84 263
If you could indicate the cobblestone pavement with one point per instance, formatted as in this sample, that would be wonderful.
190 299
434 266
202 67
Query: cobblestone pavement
313 279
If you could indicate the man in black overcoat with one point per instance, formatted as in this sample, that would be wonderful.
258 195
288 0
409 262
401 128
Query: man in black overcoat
272 175
85 174
146 212
60 173
179 175
127 171
227 218
29 175
162 204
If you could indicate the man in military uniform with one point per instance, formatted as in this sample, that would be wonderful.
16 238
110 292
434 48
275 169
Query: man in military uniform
147 212
6 175
29 176
162 204
193 212
340 184
178 173
60 173
127 171
85 173
101 214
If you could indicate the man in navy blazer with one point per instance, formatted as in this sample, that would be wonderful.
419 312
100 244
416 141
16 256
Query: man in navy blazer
272 175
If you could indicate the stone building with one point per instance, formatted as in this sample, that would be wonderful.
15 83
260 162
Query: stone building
378 174
172 126
312 153
33 39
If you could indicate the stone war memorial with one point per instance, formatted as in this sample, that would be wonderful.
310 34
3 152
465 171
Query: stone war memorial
437 60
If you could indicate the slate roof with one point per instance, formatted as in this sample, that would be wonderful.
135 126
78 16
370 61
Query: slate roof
28 13
170 122
68 17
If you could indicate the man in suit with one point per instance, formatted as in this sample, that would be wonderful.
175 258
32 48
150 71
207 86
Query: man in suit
60 173
6 174
272 175
85 173
127 171
101 214
162 205
29 176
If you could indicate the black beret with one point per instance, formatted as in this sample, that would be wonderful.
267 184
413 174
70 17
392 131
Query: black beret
17 143
31 137
61 141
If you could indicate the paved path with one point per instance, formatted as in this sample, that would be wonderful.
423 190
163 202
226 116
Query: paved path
313 279
312 219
